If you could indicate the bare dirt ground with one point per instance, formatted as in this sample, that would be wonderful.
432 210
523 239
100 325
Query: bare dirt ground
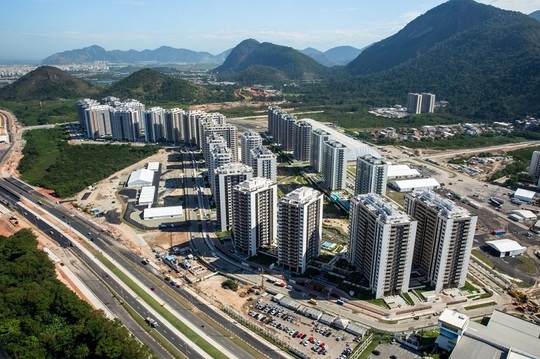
211 288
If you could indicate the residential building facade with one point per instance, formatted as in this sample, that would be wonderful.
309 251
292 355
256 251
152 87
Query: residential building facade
299 228
381 243
444 238
254 212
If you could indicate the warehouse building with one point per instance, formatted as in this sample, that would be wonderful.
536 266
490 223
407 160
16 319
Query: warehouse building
146 196
414 184
401 171
523 195
162 212
141 178
505 248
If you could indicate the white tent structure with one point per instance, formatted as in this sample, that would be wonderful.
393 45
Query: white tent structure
506 247
141 178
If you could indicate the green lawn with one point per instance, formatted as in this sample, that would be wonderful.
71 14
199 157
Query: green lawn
526 265
482 257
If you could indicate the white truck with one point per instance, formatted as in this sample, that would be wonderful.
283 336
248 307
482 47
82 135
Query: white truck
152 322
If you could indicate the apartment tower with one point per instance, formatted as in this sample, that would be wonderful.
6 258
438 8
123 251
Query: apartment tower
299 228
444 238
248 141
371 175
225 178
264 163
302 141
318 138
334 169
381 243
254 214
414 103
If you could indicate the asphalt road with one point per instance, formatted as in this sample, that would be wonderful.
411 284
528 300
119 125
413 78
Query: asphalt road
129 260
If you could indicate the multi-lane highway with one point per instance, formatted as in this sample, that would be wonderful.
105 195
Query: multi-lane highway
129 260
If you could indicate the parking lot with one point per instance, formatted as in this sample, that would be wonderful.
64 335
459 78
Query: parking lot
307 336
394 350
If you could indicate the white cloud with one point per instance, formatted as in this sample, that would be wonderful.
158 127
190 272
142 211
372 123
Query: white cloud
524 6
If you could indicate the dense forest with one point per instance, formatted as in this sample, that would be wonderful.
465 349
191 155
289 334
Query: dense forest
41 318
51 162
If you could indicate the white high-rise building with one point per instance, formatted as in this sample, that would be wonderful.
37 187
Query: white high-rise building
381 243
534 168
428 102
318 138
220 155
154 124
254 212
444 238
264 163
97 121
248 141
174 131
334 169
299 228
225 178
82 105
414 103
371 175
302 141
126 124
229 133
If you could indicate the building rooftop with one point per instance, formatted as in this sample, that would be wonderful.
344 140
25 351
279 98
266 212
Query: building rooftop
254 184
524 193
453 318
505 336
388 211
446 207
355 147
416 183
300 195
505 245
402 171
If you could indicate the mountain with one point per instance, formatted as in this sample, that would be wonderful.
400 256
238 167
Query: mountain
422 34
271 60
320 57
343 54
535 15
148 85
162 54
47 83
486 63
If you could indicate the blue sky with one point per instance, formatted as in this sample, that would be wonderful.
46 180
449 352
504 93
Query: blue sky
35 29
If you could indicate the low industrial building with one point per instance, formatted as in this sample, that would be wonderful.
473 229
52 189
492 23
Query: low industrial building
401 171
504 336
141 178
327 319
162 212
505 248
522 215
414 184
153 166
524 195
356 329
146 196
341 323
310 312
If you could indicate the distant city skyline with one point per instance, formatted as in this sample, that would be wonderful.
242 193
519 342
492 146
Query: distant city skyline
32 30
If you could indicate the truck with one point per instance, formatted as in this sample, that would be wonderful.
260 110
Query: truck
152 322
498 231
496 201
